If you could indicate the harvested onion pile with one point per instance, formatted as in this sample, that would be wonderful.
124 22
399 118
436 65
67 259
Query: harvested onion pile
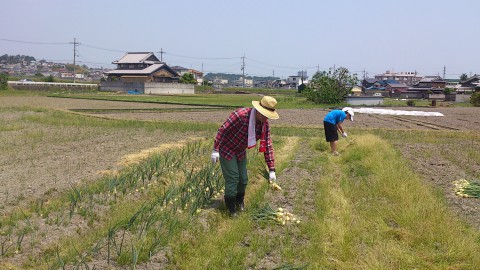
466 189
280 216
274 185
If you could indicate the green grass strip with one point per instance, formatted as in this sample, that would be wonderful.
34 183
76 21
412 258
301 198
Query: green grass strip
375 213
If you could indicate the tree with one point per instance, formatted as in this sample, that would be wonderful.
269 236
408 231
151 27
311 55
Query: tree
207 83
16 59
475 99
50 79
188 78
330 87
448 91
463 77
3 82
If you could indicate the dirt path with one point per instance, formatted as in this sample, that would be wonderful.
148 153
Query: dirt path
294 198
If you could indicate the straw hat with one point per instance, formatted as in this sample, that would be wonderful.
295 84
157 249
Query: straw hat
266 107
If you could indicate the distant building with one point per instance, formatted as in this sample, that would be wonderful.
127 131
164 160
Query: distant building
432 81
66 75
197 75
240 82
218 82
364 100
427 85
384 87
295 81
471 84
371 83
143 72
407 78
356 91
141 67
278 83
393 86
302 73
452 83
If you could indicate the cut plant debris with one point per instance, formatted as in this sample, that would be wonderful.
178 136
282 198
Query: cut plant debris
467 189
280 216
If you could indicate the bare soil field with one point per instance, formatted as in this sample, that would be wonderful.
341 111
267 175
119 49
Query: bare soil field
454 118
28 171
38 159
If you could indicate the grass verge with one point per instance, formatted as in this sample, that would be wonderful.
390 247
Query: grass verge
375 213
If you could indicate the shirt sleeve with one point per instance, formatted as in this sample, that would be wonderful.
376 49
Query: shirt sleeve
224 129
269 155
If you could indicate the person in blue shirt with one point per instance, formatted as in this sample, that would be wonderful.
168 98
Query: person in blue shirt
333 122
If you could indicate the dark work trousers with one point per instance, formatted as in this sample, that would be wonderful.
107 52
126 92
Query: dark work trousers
235 175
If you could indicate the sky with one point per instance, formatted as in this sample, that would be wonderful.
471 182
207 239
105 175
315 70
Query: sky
270 38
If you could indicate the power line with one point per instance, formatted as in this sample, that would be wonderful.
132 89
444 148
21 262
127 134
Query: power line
88 62
58 60
205 58
278 66
104 49
34 42
243 58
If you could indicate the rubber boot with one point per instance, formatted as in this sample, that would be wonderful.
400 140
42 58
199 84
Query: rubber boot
230 204
239 202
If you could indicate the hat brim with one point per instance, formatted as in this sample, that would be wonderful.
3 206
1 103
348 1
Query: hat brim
351 117
349 111
267 113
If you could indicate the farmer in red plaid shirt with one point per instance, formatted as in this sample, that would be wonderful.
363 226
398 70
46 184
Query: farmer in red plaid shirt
240 131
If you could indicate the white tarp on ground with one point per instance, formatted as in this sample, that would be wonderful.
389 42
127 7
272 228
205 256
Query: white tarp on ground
395 112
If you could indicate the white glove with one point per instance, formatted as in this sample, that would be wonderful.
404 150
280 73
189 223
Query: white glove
215 156
272 176
344 134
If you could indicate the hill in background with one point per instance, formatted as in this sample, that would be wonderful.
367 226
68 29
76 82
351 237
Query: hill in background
16 59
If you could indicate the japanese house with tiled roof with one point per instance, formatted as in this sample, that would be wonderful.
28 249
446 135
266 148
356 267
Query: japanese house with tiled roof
143 72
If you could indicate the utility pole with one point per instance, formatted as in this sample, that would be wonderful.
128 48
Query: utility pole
161 54
444 70
243 70
75 44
